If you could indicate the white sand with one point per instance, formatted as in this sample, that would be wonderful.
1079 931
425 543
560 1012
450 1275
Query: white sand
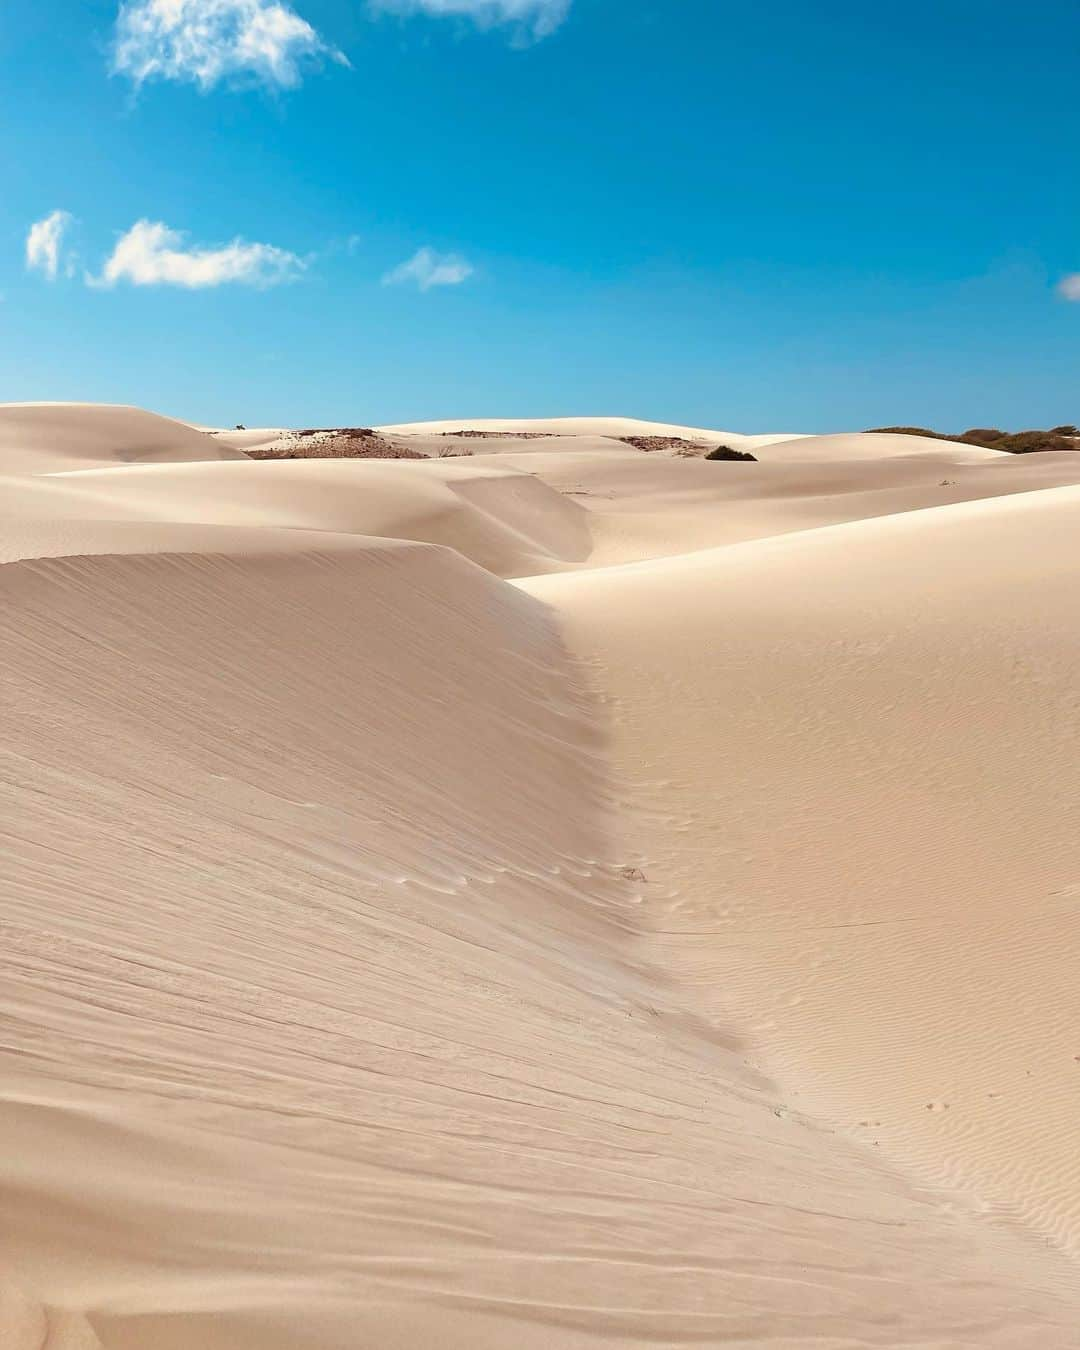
672 953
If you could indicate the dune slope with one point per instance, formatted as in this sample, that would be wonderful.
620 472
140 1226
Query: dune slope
851 755
330 1013
509 522
47 437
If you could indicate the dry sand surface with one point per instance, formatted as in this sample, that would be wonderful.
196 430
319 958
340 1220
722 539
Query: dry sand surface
558 896
49 437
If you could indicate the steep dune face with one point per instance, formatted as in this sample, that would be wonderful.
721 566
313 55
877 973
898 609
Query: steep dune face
852 754
46 437
332 1019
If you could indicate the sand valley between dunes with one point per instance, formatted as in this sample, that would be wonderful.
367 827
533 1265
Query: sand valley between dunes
541 893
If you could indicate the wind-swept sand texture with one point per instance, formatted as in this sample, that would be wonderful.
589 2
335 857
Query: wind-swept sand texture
672 954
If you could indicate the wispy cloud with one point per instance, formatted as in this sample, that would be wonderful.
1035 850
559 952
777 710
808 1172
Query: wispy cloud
1069 286
537 18
151 254
426 269
44 245
206 41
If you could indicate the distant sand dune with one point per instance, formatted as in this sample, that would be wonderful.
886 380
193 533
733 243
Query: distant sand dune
46 437
508 521
612 427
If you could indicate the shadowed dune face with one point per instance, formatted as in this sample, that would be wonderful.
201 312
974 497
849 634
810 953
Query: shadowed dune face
676 954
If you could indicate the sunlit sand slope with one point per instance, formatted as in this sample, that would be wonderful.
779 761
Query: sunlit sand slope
508 521
642 506
46 437
852 754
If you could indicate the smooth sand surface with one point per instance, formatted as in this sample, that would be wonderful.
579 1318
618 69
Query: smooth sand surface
48 437
850 446
510 522
404 948
646 506
883 882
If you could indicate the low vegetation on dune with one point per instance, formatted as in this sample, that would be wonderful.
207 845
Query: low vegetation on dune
335 443
1065 437
726 452
681 446
498 435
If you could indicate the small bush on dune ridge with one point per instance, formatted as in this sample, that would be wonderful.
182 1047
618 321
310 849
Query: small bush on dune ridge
905 431
993 438
726 452
982 436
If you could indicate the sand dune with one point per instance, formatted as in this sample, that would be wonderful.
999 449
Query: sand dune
608 427
884 880
529 512
508 521
649 506
868 445
46 437
673 949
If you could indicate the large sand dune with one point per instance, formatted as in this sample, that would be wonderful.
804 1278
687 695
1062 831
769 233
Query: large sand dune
665 951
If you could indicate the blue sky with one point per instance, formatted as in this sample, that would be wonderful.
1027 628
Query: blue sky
766 217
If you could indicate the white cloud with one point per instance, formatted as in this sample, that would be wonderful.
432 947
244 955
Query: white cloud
206 41
540 17
1069 286
427 269
151 254
45 242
